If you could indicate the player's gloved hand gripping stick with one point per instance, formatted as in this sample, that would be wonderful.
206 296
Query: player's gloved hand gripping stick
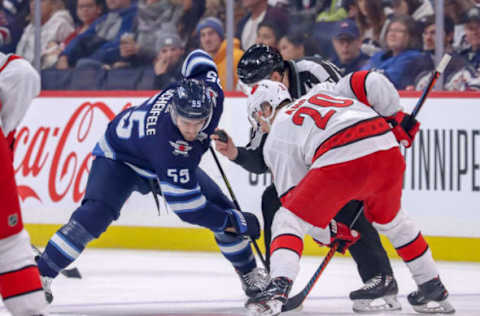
404 125
224 138
408 123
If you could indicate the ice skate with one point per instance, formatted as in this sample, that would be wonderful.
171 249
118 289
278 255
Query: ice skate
379 294
270 301
254 281
46 281
431 298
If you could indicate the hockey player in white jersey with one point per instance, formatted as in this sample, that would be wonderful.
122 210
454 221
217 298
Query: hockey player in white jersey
299 77
20 285
338 143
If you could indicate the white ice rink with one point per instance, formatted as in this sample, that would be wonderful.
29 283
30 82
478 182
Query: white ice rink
155 283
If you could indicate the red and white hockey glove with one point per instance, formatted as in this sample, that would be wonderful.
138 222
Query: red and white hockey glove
342 235
403 130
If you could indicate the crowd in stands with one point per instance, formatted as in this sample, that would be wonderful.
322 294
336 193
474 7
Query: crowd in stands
140 44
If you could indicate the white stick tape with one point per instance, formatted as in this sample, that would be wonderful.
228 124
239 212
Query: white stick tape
443 63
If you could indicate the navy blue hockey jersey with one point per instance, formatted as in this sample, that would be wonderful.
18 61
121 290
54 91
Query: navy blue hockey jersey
145 138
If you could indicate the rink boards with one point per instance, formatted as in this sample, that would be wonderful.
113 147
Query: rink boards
441 187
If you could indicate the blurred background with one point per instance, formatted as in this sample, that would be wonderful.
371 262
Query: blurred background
141 44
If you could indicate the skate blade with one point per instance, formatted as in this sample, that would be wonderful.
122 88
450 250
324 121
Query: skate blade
379 305
269 308
442 307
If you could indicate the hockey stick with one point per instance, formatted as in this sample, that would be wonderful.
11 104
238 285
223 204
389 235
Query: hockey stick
436 74
297 300
72 273
227 183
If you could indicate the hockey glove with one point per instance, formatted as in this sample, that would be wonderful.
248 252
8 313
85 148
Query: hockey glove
244 223
403 129
342 235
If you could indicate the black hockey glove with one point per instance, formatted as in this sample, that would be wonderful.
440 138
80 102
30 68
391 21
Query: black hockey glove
244 223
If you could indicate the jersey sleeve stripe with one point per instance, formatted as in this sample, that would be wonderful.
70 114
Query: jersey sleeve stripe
192 205
103 148
364 129
173 190
142 172
358 85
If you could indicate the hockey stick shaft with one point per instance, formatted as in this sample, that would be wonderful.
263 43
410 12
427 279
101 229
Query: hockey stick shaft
229 187
297 300
436 74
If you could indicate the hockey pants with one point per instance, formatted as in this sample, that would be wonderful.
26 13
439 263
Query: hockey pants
20 285
368 252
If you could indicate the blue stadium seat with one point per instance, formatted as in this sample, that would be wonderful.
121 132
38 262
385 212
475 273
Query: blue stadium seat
87 79
54 79
147 79
122 79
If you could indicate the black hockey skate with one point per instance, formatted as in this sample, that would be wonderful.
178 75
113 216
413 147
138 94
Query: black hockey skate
254 281
380 289
270 301
433 292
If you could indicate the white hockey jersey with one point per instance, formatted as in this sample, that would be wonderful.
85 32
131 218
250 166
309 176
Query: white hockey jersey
332 124
19 84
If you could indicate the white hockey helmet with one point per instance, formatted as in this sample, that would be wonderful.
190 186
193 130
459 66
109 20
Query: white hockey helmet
266 92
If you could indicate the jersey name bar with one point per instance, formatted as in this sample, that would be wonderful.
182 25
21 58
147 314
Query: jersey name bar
155 111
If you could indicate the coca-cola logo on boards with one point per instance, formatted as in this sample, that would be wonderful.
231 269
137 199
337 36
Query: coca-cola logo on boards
52 150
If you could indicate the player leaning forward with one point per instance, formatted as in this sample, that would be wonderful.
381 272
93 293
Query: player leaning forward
326 149
20 285
162 139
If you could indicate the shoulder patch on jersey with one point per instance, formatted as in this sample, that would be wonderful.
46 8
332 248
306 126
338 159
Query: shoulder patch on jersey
180 147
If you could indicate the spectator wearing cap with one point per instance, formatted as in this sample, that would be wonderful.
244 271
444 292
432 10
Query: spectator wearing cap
168 63
472 37
347 43
458 75
212 41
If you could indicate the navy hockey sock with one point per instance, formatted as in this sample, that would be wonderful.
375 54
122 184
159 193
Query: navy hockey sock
63 248
237 250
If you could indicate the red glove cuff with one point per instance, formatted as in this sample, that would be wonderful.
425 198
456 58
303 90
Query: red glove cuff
404 128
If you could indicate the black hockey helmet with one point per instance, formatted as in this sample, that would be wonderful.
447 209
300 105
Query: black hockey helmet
192 100
258 62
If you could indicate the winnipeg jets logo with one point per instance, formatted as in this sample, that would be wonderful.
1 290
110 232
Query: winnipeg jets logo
180 148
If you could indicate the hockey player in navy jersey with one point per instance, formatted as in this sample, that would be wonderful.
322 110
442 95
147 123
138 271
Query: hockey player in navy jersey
157 147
